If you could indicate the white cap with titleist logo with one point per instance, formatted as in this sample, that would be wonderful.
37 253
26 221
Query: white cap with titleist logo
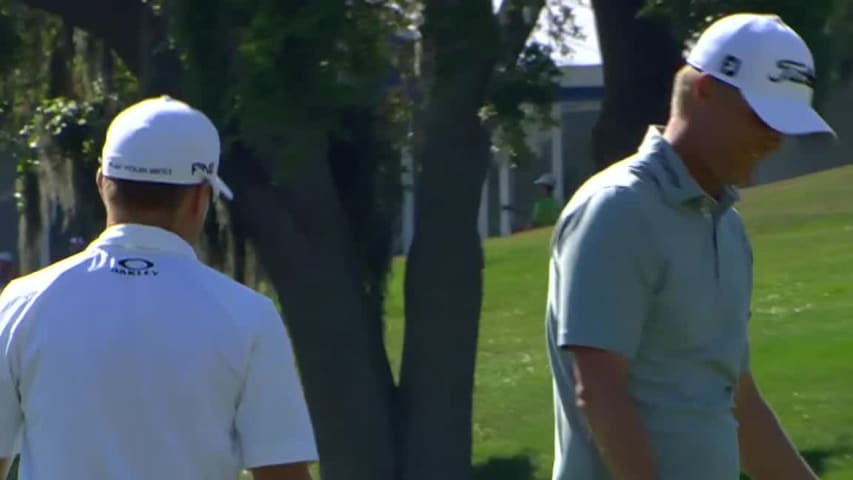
769 63
163 140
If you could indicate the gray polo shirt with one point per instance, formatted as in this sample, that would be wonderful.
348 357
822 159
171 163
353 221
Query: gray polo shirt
646 265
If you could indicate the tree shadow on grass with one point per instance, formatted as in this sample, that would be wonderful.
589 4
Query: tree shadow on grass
518 467
818 458
522 467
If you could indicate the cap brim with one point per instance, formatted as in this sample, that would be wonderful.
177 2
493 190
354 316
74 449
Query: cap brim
787 116
220 187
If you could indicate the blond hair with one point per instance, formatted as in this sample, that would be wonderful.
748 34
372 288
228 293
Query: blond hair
682 88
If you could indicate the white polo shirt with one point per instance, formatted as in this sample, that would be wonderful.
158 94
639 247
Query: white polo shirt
133 360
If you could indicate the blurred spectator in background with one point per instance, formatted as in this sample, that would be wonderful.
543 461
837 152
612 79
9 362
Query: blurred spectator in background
546 210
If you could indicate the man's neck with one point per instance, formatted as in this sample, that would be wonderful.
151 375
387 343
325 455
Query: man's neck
679 136
114 219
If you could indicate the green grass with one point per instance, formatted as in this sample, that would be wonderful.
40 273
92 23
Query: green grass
802 331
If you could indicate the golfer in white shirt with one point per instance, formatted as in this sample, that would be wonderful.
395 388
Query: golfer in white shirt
134 361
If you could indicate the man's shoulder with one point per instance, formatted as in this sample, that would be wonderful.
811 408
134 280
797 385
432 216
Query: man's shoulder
618 186
733 215
616 201
627 172
38 281
231 293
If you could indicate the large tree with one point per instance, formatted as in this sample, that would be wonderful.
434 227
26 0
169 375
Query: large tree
58 85
642 42
825 25
640 56
421 427
298 92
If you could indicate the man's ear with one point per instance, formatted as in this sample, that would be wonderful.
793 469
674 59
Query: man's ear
704 87
202 198
99 180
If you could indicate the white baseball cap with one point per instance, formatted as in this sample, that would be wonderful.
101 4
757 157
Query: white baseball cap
546 179
163 140
769 63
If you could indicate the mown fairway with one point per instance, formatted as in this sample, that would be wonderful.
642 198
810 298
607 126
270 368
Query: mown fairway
802 330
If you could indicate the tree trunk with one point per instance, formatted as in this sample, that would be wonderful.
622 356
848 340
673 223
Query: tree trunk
366 428
157 65
60 80
30 233
443 290
62 187
640 59
306 249
133 30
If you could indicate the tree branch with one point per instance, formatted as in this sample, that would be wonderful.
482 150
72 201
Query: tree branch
101 17
517 18
119 23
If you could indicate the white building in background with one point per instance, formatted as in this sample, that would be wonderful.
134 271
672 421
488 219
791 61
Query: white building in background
507 195
565 150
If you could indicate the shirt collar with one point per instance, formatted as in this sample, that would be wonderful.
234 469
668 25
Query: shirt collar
144 237
678 185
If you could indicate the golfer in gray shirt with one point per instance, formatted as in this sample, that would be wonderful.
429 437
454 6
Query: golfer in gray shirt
651 278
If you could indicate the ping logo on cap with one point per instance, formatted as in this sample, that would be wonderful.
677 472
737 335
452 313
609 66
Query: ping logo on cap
198 166
795 72
731 66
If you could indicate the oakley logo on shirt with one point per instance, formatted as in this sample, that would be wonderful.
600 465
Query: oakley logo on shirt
135 267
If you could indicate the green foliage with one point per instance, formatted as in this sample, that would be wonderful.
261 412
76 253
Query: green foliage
826 25
691 16
21 80
66 127
523 92
839 31
301 82
34 125
800 330
525 88
70 124
10 39
284 71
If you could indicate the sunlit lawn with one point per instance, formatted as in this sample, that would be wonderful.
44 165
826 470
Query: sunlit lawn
802 331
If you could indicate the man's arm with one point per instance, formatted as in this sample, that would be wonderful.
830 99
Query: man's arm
601 391
11 413
766 451
602 247
273 425
293 471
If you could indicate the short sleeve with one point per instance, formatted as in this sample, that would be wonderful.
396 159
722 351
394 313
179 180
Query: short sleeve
602 273
745 359
273 425
11 413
